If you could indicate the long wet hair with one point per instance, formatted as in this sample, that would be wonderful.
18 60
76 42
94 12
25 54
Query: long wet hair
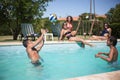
70 18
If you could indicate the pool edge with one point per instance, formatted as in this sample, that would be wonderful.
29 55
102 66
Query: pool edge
114 75
51 42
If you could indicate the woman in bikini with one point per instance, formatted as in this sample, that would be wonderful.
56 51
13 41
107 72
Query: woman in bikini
68 34
106 33
69 25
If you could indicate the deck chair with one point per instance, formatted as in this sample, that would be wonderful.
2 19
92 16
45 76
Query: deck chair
27 31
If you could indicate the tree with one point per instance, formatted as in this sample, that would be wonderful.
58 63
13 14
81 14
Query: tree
116 14
109 15
21 11
113 15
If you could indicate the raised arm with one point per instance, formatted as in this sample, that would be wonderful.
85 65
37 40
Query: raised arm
40 45
40 38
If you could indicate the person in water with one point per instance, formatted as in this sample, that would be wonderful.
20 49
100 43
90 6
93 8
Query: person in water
67 33
33 48
112 56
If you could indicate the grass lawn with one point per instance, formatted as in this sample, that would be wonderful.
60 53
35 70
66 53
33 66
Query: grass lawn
6 38
10 38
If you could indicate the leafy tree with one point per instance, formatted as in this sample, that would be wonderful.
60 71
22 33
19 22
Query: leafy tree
21 11
113 17
109 15
116 14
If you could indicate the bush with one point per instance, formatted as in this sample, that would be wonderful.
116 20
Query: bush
115 29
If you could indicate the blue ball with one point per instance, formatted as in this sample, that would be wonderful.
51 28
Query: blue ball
53 18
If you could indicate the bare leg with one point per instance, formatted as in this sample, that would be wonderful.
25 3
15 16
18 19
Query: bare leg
98 38
80 40
94 38
61 34
74 33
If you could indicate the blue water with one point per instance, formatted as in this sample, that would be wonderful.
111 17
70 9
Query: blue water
61 61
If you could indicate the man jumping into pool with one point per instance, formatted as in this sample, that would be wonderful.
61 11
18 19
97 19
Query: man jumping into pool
112 56
32 48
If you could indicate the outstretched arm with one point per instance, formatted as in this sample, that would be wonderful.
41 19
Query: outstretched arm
109 58
40 38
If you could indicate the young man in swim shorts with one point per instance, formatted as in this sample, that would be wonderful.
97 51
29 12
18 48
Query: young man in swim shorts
112 56
32 48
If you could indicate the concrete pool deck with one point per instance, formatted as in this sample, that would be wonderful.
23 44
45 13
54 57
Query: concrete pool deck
49 42
114 75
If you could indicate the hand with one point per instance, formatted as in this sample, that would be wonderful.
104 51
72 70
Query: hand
97 55
100 53
43 31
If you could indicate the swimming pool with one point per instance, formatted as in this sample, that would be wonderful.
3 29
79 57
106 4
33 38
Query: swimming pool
61 61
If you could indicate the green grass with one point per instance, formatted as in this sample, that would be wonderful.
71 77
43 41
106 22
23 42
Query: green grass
10 38
6 38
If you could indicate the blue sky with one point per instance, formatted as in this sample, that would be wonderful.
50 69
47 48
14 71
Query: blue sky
63 8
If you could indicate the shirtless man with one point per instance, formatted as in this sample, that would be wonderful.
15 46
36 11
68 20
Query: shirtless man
32 48
112 56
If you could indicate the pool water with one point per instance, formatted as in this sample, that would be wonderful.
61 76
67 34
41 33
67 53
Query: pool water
61 61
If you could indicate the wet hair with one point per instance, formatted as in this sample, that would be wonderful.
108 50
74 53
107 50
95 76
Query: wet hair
113 40
70 18
25 42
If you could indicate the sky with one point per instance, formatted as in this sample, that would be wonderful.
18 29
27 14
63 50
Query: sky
63 8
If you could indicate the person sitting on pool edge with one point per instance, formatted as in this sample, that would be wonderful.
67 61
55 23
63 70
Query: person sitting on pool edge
105 34
112 56
70 36
32 48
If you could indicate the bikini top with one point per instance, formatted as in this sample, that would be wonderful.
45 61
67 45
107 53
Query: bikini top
69 26
67 33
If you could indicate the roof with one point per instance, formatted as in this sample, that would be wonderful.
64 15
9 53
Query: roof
63 18
103 16
76 18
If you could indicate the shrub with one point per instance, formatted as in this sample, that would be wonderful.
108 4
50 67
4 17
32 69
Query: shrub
115 29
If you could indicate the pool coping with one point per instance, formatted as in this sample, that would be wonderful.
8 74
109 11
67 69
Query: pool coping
114 75
51 42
